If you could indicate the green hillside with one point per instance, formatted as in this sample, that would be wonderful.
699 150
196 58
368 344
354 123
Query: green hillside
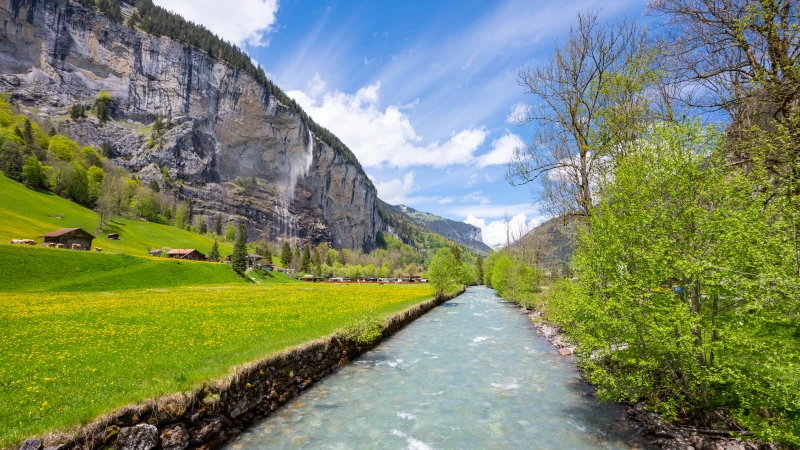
26 214
36 269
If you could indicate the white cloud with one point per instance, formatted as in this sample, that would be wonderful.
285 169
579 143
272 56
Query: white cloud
502 150
383 136
490 211
240 22
445 200
473 178
396 191
490 178
477 197
518 113
494 232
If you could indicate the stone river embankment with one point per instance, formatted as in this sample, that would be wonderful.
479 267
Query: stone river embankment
216 412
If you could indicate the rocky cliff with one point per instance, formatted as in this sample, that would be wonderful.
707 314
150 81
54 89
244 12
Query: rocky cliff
465 234
227 126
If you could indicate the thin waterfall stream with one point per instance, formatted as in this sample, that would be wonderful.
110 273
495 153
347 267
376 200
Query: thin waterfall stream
472 373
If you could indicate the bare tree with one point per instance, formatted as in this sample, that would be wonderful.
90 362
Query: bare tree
593 97
737 56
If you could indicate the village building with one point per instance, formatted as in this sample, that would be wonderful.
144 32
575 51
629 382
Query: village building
186 253
113 236
156 252
73 238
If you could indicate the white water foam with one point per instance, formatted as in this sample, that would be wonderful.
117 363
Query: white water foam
407 416
480 339
413 444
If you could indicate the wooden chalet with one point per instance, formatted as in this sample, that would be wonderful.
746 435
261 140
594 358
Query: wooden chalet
189 254
72 238
254 261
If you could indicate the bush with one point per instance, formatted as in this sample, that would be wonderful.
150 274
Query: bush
103 105
34 173
365 331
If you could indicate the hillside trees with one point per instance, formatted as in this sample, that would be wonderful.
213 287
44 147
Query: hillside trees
286 254
213 255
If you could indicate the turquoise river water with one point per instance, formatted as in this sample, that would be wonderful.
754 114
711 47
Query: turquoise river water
471 374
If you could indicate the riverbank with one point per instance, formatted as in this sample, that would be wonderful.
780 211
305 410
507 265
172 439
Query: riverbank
212 414
660 433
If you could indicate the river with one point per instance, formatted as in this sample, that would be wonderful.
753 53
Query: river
471 374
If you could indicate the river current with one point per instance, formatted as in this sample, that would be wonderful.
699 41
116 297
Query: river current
471 374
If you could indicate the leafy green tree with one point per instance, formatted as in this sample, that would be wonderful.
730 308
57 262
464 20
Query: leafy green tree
34 173
239 257
213 255
102 104
286 254
688 287
442 273
11 159
230 232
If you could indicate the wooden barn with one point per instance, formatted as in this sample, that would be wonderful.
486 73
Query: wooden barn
74 238
186 253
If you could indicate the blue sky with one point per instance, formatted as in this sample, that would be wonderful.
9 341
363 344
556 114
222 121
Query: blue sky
421 91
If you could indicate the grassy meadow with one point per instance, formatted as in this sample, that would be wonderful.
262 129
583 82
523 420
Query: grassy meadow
26 214
66 357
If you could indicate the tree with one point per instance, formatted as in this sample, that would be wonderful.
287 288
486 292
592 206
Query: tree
11 159
28 133
592 102
739 56
34 173
77 112
686 278
286 255
213 255
479 269
239 256
230 232
456 253
218 225
442 271
103 105
305 261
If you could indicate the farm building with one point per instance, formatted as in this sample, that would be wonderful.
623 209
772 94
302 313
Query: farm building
76 238
113 236
186 253
155 252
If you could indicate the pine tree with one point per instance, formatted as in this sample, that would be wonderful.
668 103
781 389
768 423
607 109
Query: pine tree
213 256
479 269
28 133
305 261
218 225
239 257
286 254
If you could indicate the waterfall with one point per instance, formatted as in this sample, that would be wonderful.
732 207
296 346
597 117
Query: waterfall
298 167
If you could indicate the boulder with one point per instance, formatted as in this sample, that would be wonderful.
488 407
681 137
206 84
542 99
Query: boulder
31 444
566 351
138 437
175 437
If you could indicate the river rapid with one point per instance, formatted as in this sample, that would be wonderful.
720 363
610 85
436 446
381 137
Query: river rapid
471 374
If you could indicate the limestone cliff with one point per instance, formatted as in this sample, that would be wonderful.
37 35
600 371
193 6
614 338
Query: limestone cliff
54 53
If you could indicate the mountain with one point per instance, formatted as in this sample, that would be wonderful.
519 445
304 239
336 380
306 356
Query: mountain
238 147
463 233
553 241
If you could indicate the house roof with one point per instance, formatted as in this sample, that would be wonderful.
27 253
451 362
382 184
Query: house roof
64 231
181 251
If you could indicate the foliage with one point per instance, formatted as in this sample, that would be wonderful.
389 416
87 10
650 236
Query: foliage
239 256
213 255
77 111
86 353
34 173
446 273
305 260
102 105
688 293
366 330
286 254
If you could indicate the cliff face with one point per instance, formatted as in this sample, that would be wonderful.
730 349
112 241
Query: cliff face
54 53
465 234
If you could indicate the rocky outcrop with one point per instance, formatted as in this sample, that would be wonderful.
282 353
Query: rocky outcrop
54 53
216 413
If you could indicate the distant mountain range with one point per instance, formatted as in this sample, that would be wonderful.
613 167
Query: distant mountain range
463 233
554 240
